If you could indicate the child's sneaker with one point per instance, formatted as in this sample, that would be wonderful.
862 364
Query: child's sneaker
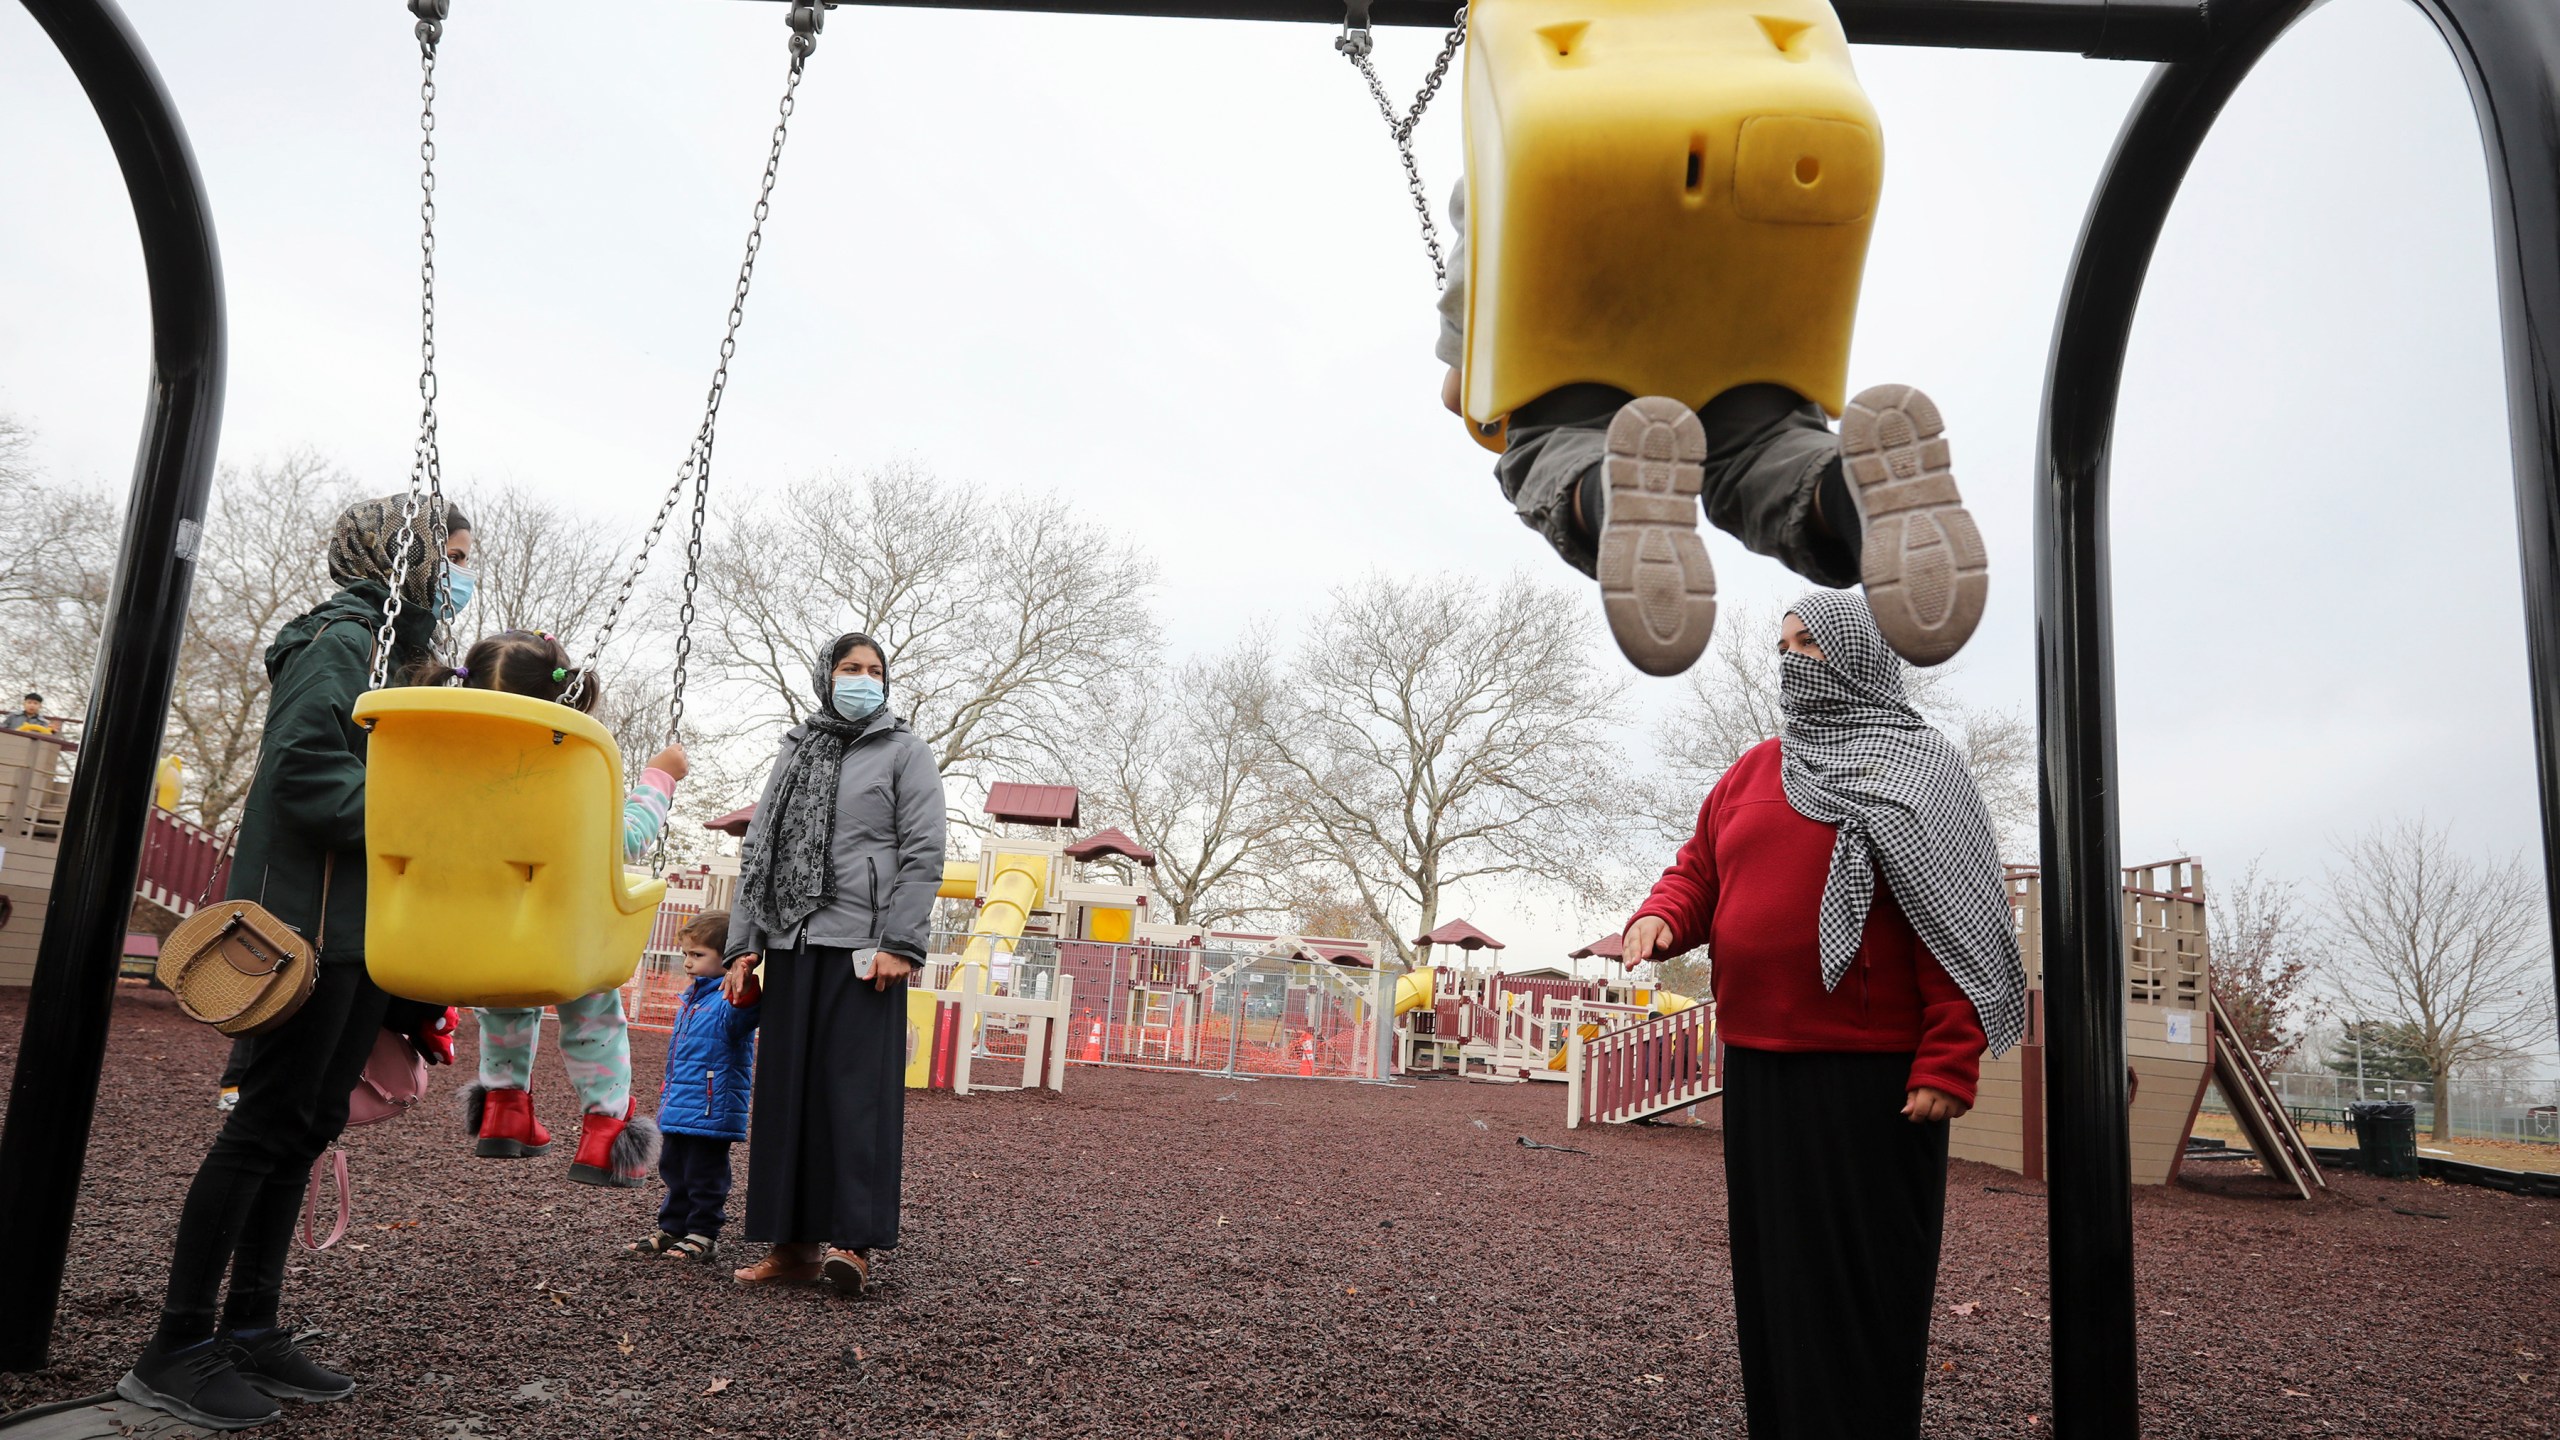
1656 585
1922 561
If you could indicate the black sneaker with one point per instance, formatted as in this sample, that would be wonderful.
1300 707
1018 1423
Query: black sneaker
270 1361
199 1384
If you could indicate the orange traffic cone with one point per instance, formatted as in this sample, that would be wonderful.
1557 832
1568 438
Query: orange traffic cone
1307 1053
1093 1044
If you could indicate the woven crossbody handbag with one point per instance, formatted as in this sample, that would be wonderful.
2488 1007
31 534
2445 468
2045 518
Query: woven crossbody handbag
238 968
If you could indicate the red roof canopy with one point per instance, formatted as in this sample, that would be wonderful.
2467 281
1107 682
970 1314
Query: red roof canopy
1111 840
1018 804
1460 934
1611 946
733 823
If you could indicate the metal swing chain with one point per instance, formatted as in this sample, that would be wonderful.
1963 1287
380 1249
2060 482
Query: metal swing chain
426 468
1354 42
806 21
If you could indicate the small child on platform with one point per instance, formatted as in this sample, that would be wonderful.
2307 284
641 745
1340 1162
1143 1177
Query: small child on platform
1615 481
702 1110
616 1147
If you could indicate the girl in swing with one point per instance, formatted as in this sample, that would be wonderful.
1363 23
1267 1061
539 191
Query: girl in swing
616 1146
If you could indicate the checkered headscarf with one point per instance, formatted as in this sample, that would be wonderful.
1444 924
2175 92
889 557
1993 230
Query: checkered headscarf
1854 753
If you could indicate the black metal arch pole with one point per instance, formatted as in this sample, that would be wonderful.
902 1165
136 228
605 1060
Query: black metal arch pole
64 1046
2510 53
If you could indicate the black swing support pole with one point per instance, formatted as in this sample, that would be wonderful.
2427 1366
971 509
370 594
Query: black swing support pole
2100 29
63 1050
2510 56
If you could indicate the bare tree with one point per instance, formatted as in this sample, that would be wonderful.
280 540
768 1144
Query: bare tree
1730 703
1438 735
2261 963
544 568
54 574
2446 944
1183 761
997 610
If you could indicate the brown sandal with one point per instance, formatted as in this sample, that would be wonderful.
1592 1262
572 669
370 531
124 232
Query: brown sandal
779 1268
849 1271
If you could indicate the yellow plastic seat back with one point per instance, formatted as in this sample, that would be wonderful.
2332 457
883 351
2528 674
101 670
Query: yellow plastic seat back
1669 196
493 851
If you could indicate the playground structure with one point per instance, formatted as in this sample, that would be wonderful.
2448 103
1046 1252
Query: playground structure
1059 958
2176 1042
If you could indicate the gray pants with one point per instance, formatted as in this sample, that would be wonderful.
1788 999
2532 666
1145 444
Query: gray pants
1767 449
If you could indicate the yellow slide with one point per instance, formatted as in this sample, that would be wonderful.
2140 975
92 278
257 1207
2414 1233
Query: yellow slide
1021 881
1413 992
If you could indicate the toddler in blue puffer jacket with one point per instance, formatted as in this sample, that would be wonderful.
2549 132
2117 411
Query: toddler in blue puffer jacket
702 1111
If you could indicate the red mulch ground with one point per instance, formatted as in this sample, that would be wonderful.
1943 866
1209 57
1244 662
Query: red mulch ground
1159 1256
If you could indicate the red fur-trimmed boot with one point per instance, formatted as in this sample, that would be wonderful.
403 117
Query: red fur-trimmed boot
504 1121
621 1153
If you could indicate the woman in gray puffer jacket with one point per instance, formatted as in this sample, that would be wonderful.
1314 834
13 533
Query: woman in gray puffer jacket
841 863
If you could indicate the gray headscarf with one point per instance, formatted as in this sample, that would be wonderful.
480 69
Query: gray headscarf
362 542
789 874
1857 755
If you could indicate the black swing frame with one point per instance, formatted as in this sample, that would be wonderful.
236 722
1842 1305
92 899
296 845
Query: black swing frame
2509 53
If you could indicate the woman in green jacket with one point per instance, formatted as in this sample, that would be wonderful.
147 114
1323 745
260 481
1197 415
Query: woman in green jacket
301 855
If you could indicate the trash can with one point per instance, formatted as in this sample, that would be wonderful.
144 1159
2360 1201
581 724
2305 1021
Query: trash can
2386 1136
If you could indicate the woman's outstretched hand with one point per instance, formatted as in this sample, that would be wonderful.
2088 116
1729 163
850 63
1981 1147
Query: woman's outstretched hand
1646 938
741 979
888 970
1926 1103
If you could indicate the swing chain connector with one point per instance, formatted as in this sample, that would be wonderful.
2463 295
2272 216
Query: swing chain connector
1355 38
806 20
431 15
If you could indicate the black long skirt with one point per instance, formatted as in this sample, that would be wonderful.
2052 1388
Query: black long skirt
826 1147
1835 1203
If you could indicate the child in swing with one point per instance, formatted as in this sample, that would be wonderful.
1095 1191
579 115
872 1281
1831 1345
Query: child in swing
702 1108
615 1146
1614 482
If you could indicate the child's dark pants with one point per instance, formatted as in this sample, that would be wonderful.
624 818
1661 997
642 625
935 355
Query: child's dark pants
1767 451
697 1174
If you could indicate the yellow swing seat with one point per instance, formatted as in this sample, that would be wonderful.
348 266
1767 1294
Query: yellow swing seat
493 851
1672 197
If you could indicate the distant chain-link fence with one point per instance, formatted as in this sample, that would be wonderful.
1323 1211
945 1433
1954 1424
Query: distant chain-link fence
2487 1110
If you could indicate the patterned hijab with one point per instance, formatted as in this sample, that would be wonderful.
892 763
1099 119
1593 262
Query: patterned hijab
1854 753
362 543
789 871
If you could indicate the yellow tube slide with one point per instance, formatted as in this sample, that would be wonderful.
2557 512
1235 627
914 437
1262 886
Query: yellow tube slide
1021 881
959 880
1414 991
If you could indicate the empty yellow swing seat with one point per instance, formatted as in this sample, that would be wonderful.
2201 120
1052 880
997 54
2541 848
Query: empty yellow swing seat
493 851
1672 197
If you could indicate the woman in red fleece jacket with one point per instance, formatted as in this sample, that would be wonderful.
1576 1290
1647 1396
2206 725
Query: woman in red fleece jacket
1831 870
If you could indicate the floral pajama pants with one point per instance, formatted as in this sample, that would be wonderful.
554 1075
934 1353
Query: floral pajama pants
595 1044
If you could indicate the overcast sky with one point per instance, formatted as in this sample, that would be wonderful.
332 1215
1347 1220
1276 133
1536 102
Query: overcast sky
1167 267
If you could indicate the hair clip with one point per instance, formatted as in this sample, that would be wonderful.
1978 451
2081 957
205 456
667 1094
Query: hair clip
461 672
557 673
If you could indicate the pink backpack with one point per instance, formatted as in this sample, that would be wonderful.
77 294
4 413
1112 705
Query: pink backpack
394 1080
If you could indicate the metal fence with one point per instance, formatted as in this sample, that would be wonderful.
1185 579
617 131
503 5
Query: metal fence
2318 1101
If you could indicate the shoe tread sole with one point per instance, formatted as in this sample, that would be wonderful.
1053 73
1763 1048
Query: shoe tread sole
1922 561
1657 586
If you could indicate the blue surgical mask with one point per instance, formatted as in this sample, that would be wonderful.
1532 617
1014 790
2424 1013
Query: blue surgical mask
858 695
459 584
